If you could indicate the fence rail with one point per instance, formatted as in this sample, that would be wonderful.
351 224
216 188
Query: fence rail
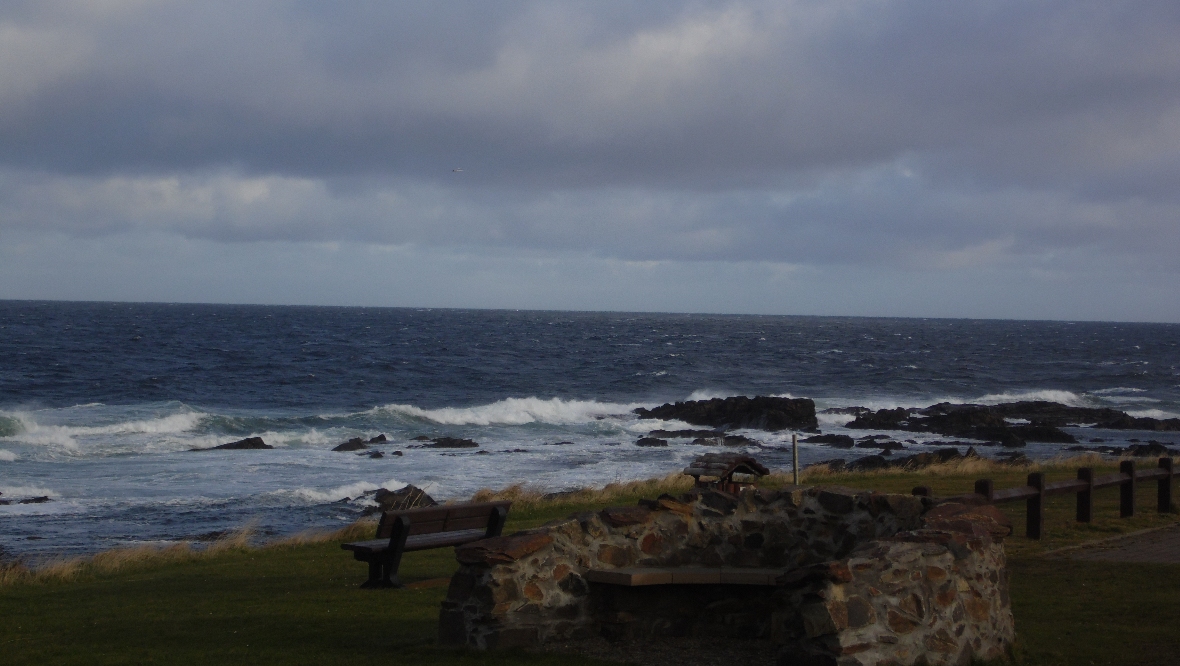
1034 493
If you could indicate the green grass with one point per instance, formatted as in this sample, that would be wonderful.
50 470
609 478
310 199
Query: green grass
300 603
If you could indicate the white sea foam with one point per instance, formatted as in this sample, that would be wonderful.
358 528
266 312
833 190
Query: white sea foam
1051 395
834 419
17 492
709 394
1152 413
7 456
1118 390
65 436
517 411
350 490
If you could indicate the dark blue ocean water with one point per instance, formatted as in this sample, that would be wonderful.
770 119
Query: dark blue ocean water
100 402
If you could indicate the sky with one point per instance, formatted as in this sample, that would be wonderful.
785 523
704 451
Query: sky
992 159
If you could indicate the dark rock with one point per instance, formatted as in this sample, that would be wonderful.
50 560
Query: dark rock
409 497
396 453
761 413
451 443
375 454
483 452
421 438
916 461
739 440
1150 449
35 500
878 444
685 434
378 439
838 441
242 444
557 444
651 441
354 444
709 441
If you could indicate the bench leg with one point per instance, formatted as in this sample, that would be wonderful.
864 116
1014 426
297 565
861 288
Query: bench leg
374 575
389 571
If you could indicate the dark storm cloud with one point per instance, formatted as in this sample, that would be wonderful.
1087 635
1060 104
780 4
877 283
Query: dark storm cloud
863 132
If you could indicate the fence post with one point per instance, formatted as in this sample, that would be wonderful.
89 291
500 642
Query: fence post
922 491
1164 494
1086 497
1035 508
1127 489
986 488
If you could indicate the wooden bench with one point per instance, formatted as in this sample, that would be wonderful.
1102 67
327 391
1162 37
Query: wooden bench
642 576
423 529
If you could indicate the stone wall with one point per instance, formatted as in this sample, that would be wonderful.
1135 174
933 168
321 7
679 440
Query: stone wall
869 577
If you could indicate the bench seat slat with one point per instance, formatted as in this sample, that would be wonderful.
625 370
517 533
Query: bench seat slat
419 541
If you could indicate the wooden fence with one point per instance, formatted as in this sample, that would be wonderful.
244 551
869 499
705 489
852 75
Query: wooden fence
1034 494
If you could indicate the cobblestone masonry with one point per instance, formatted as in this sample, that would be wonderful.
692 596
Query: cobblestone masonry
869 578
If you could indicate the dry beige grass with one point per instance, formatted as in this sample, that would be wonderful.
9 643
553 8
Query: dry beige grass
961 467
523 497
120 559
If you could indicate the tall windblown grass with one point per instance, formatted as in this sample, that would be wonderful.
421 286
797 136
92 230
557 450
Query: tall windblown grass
528 497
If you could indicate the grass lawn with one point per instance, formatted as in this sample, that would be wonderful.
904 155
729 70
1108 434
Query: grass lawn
300 603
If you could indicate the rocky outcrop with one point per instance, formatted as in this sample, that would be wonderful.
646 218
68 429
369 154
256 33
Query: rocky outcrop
759 413
450 443
866 578
409 497
686 434
354 444
838 441
913 462
1008 424
241 444
651 441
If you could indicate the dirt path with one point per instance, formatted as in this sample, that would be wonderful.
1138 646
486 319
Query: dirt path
1158 546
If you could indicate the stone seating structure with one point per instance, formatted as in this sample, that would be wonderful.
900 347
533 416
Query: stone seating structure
832 575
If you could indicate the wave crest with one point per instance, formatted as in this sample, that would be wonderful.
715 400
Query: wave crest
516 411
1068 398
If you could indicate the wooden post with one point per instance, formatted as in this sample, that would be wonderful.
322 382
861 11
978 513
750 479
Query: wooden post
1086 497
1035 508
1127 489
922 491
986 488
1164 485
795 455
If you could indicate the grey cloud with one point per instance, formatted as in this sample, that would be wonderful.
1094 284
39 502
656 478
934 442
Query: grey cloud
1063 94
960 138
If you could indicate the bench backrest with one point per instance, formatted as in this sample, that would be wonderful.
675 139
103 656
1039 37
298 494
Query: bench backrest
448 518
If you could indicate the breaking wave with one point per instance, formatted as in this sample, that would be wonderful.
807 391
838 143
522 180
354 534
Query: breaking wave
516 411
1068 398
33 432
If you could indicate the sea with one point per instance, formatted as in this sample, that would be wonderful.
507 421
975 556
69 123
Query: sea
102 404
